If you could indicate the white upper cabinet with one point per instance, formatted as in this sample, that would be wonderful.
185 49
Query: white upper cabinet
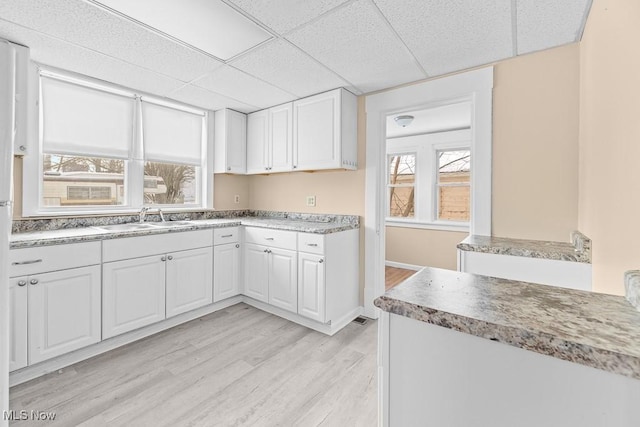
258 142
230 142
325 131
270 140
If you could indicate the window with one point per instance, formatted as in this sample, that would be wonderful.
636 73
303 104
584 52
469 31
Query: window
428 180
106 149
402 180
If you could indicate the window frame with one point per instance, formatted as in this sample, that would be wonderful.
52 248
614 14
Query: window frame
426 147
33 173
415 184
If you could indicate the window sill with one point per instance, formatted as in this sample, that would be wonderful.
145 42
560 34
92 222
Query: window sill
440 225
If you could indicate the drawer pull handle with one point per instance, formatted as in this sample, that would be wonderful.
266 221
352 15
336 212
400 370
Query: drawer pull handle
268 238
34 281
22 282
33 261
227 235
312 244
321 260
237 245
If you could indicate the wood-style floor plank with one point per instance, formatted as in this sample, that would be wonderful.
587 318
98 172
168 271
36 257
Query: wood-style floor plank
236 367
394 276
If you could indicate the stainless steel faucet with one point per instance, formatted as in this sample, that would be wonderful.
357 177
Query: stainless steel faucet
143 214
161 215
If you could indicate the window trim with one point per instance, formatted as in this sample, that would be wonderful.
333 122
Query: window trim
426 198
134 165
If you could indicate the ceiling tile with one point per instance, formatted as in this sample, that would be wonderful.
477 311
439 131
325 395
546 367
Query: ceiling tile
88 25
56 53
452 35
203 98
286 67
548 23
355 42
284 15
245 88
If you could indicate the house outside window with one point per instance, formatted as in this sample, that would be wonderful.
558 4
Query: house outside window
428 181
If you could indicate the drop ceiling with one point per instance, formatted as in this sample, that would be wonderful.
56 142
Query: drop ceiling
267 53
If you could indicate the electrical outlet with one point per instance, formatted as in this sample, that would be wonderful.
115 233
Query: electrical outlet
311 201
236 198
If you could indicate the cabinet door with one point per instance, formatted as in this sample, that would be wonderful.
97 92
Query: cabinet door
236 142
311 288
256 267
283 280
64 312
17 323
133 294
189 280
316 132
258 142
281 138
226 271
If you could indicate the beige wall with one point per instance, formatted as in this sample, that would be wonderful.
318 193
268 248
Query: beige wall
610 140
535 145
17 187
433 248
226 187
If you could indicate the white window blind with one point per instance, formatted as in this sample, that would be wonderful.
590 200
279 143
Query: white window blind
171 135
81 120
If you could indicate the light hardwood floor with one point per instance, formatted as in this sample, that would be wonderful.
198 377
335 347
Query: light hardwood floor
236 367
394 276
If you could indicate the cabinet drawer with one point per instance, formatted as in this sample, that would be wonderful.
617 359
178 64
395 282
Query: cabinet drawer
274 238
27 261
136 247
311 243
226 235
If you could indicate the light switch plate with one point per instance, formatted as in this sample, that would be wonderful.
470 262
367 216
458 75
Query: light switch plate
311 201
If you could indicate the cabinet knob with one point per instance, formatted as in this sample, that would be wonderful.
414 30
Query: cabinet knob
33 281
164 258
228 168
295 166
321 260
237 245
22 282
266 251
170 257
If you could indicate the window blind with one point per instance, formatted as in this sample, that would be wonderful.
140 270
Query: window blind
171 135
81 120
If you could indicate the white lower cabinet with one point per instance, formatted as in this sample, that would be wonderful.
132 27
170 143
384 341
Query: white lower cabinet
256 283
18 323
311 286
271 276
189 280
226 271
133 294
63 312
283 280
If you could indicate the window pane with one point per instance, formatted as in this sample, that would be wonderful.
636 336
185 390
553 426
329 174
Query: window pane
454 177
401 202
170 184
402 169
82 181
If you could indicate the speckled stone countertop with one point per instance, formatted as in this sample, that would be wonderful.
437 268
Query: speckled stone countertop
597 330
71 230
579 250
632 287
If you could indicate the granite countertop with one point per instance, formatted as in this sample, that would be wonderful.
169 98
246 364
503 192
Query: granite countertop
579 250
597 330
95 232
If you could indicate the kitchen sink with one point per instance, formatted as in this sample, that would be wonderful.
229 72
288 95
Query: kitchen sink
128 227
172 223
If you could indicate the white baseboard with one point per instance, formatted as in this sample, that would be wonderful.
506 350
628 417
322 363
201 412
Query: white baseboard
403 265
